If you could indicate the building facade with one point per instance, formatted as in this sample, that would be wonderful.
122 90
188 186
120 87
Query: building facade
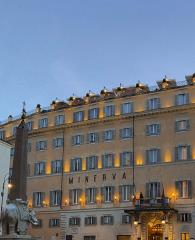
115 165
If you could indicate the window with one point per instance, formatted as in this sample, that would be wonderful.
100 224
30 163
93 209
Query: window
38 199
108 135
153 190
55 198
185 236
92 162
125 192
107 194
58 142
153 103
43 123
93 113
74 221
74 196
77 140
126 108
182 153
39 168
108 160
89 238
109 111
41 145
2 134
59 120
185 217
126 133
29 125
182 125
90 195
76 164
153 130
93 137
12 152
184 188
153 156
54 222
126 159
78 116
107 220
56 166
126 219
14 129
182 99
91 220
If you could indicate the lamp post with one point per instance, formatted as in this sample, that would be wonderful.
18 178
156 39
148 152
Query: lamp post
6 178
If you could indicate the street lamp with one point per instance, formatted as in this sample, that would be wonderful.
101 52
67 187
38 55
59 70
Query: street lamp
6 178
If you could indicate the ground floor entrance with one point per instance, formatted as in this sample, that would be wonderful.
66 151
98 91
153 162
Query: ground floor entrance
123 237
155 232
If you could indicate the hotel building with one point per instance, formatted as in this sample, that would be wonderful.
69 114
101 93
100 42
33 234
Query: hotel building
115 165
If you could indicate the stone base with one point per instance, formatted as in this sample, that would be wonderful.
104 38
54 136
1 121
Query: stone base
19 237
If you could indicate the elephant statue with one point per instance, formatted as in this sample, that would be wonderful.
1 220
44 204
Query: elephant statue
16 217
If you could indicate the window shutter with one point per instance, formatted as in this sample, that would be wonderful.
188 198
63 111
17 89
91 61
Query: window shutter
82 139
120 194
96 137
73 140
121 133
45 145
176 100
148 104
87 163
96 162
102 220
42 198
178 187
121 159
80 164
103 136
70 197
187 124
54 143
113 134
190 189
177 126
103 161
158 189
158 128
88 140
113 157
158 103
187 98
188 152
147 190
34 197
37 146
176 153
112 110
147 156
111 220
112 194
103 194
72 165
158 156
147 130
43 167
51 198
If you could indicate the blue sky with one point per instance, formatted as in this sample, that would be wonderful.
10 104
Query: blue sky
53 48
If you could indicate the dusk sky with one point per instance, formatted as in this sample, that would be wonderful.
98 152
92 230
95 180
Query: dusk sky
54 48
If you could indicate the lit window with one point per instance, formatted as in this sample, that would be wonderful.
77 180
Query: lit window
109 110
55 198
108 160
39 168
182 125
92 162
126 133
74 196
91 195
38 199
184 188
78 116
153 156
126 191
153 190
126 108
182 153
126 159
59 120
182 99
153 129
76 164
93 113
43 123
153 103
107 194
185 236
56 166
